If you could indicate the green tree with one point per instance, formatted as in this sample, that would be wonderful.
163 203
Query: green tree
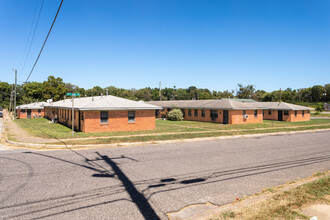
32 91
327 91
317 93
95 91
54 88
245 92
5 90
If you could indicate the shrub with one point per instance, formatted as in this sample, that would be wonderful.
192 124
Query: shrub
319 107
175 115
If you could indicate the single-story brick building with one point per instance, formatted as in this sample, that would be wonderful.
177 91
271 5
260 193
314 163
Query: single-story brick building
233 111
282 111
103 114
32 110
223 111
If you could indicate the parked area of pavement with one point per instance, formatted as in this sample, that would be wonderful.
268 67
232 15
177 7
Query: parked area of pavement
147 182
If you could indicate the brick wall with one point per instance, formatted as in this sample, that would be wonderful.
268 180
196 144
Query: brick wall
290 117
34 113
236 117
118 121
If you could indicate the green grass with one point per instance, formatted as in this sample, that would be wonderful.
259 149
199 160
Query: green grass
287 204
41 127
112 140
166 130
320 114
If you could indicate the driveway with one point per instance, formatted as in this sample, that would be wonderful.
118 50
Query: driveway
146 182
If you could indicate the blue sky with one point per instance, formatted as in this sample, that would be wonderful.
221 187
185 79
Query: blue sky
135 44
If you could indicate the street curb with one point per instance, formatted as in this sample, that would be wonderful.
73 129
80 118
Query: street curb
90 146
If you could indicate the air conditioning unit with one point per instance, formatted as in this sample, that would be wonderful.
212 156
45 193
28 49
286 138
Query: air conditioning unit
245 116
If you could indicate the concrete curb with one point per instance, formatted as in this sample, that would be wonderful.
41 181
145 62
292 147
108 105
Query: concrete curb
90 146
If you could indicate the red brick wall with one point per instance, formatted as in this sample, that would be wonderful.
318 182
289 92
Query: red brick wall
236 117
118 121
291 117
22 115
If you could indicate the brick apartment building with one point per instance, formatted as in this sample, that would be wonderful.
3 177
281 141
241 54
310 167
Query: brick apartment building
103 114
223 111
282 111
231 111
33 110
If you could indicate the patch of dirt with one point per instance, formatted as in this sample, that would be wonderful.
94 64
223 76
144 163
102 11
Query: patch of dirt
20 134
321 211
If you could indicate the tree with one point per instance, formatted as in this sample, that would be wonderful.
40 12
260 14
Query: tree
317 93
95 91
245 92
54 88
327 91
33 91
5 90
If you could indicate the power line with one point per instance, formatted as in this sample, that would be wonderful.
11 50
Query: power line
44 42
35 28
27 42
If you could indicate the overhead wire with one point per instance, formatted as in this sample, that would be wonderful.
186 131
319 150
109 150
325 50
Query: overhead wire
28 39
35 28
35 63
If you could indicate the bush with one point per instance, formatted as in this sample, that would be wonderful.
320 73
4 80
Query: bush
319 107
175 115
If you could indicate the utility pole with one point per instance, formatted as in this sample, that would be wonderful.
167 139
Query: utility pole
15 94
160 91
72 115
11 99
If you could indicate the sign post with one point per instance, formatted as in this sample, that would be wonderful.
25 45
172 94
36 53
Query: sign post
73 95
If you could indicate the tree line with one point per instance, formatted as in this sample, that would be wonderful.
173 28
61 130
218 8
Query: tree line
54 88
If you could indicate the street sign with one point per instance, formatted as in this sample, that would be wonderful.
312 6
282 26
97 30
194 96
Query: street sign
72 94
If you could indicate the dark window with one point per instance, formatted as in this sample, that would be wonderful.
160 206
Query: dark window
269 112
196 113
169 109
303 113
213 114
131 116
157 112
189 112
295 113
255 113
203 113
286 112
104 116
23 110
244 112
308 111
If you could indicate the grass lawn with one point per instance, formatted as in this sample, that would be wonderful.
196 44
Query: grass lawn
287 204
41 127
165 130
320 115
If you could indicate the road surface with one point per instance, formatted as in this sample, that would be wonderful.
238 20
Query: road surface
146 182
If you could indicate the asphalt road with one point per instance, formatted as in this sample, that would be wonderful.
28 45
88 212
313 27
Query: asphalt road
146 182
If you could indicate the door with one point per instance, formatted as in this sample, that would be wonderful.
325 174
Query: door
29 113
79 122
280 115
225 117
